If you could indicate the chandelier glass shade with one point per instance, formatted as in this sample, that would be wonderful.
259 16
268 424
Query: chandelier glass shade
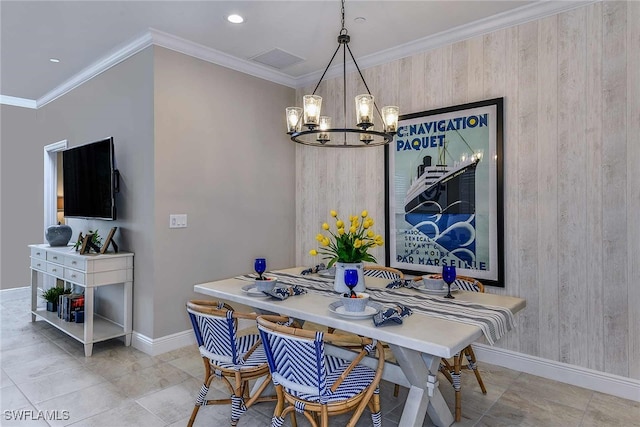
307 126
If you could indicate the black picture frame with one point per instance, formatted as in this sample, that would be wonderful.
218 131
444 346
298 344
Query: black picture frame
440 211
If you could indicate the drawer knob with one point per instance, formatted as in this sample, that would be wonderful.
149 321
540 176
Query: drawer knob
38 265
37 253
53 269
55 257
73 276
73 263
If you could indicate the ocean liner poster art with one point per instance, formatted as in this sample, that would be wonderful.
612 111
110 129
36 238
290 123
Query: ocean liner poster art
444 192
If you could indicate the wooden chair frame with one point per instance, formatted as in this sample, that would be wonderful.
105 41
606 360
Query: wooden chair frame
236 380
316 413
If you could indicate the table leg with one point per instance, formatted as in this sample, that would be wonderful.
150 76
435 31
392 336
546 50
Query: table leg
34 294
128 321
88 350
424 396
88 321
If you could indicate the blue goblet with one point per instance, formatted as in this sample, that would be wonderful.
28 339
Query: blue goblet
260 265
351 280
449 276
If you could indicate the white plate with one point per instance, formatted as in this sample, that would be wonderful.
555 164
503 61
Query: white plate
330 273
252 291
442 291
372 308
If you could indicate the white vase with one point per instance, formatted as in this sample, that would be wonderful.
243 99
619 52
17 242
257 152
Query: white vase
338 282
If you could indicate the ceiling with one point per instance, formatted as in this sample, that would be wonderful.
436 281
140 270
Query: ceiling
82 33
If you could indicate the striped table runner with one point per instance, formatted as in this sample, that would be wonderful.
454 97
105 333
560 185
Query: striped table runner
494 322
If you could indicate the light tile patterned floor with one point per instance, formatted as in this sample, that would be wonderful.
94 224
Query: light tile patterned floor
44 370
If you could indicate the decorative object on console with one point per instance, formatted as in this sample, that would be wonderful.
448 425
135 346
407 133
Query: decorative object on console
52 295
319 131
109 240
92 240
348 245
58 235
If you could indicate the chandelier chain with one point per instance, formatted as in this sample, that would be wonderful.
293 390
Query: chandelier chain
343 27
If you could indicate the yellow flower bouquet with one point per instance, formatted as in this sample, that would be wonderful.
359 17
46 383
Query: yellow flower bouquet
349 243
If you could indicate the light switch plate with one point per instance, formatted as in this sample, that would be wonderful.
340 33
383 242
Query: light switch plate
177 220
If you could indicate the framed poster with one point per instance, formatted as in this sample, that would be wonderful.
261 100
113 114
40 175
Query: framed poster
443 193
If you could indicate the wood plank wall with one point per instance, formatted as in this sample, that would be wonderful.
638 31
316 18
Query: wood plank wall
571 84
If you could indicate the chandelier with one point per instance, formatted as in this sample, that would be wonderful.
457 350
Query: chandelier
318 131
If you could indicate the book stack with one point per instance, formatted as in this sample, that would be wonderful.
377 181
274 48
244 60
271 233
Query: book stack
71 308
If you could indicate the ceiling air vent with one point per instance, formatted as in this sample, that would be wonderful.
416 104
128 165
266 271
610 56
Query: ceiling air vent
277 58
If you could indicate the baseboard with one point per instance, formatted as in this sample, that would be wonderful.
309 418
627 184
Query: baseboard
154 347
602 382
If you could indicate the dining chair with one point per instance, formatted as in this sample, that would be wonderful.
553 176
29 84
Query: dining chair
234 359
311 382
383 272
452 369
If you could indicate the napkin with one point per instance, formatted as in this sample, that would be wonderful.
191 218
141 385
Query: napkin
393 314
286 292
399 284
315 269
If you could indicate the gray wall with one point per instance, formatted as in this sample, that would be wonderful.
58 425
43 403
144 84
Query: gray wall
190 137
118 103
21 190
571 154
222 158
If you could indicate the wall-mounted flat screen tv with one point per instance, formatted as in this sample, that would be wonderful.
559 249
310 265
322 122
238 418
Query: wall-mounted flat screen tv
90 180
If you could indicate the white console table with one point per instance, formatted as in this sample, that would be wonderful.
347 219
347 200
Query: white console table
88 271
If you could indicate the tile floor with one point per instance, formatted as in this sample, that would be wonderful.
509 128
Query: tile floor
44 370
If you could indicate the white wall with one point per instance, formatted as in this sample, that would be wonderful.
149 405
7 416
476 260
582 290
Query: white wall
571 153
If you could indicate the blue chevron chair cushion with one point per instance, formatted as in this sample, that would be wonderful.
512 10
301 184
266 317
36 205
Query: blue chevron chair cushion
245 342
467 285
357 380
304 371
382 272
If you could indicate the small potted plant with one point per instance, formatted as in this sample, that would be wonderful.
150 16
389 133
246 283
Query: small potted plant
51 295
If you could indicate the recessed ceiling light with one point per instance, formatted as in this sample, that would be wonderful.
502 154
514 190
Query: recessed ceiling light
360 20
235 19
55 60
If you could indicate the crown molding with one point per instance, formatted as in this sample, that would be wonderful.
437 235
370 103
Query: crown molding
151 37
217 57
113 58
18 102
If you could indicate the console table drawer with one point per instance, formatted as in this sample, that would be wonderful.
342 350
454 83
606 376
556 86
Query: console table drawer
75 262
55 257
38 264
55 270
74 276
38 253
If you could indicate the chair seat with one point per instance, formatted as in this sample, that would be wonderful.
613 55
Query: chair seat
245 342
355 383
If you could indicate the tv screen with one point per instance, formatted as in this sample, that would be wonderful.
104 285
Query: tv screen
89 181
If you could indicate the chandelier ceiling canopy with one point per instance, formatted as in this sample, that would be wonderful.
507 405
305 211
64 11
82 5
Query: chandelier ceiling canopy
307 126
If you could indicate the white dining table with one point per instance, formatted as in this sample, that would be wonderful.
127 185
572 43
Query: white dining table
417 344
